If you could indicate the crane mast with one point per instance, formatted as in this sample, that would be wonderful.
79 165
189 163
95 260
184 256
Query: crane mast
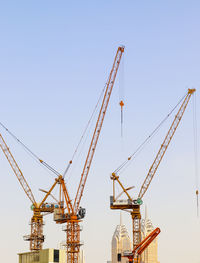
134 205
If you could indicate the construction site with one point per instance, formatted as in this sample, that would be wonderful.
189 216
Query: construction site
67 210
95 134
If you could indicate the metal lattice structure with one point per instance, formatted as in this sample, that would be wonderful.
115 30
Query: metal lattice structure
165 145
134 205
16 169
36 237
72 217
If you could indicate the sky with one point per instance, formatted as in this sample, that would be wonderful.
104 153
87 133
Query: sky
55 59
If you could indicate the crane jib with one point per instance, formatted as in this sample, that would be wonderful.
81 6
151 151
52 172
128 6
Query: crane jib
98 127
165 144
16 170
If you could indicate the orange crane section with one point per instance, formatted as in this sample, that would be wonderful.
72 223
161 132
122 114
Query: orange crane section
165 144
139 249
64 211
16 170
133 205
36 237
74 212
98 127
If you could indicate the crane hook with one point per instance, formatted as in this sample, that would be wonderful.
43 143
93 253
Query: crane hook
122 105
197 194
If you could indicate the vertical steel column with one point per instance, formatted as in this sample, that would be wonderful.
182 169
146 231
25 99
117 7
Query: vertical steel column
136 219
36 237
73 241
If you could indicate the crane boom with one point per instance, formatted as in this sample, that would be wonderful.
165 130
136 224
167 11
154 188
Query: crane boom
16 170
98 127
139 249
165 144
147 241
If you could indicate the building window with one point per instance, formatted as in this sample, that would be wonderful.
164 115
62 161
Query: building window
56 255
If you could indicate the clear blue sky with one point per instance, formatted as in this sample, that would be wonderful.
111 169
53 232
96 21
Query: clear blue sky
55 57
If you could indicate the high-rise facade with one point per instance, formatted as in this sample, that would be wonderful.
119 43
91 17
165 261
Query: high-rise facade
120 243
150 255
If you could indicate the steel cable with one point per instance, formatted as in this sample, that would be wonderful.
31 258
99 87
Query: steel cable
141 146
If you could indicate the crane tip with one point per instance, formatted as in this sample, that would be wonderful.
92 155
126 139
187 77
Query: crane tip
122 48
191 91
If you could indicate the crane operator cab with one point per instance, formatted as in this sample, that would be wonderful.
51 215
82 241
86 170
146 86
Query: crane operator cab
124 203
81 213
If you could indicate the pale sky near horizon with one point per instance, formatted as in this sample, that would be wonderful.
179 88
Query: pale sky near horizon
55 57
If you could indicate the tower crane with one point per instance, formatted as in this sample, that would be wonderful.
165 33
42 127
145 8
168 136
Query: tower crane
72 213
133 205
36 236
